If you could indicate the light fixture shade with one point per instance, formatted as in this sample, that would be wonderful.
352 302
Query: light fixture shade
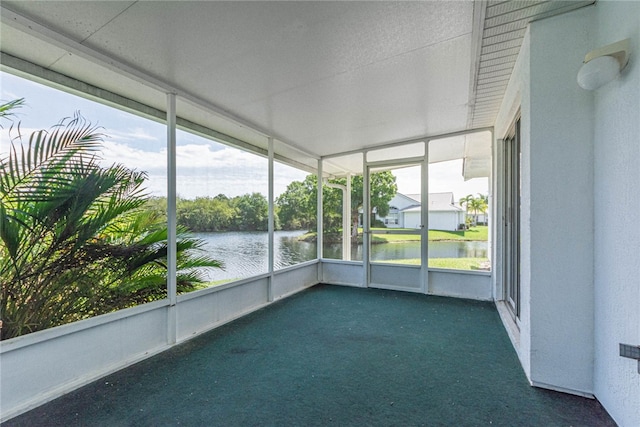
598 72
603 65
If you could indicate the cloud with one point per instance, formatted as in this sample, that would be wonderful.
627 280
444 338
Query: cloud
9 134
134 158
136 134
201 169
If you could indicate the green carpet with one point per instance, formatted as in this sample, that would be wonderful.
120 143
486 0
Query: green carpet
331 356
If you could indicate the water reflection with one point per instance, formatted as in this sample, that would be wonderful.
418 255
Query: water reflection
246 253
411 250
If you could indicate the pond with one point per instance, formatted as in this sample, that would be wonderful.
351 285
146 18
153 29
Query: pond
245 254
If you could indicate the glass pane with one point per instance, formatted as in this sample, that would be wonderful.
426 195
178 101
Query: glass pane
222 203
458 207
396 215
82 240
342 234
296 212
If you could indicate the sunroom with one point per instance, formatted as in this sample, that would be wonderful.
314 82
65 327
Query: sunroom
274 133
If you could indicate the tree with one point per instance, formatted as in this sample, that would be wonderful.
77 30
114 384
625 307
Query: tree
299 202
383 188
466 200
480 205
252 212
205 214
76 238
475 205
294 202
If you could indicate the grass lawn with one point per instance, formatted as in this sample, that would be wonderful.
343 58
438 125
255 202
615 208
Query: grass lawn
479 233
459 263
449 263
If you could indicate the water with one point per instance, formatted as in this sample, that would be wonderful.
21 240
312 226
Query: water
246 254
411 250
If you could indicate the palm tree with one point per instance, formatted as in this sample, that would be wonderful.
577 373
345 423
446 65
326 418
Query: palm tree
483 205
466 202
76 238
477 205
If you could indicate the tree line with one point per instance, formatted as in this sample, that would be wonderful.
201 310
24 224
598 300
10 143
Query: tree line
248 212
295 208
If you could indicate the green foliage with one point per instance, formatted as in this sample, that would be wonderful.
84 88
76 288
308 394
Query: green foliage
76 238
383 188
475 206
252 212
205 214
249 212
298 204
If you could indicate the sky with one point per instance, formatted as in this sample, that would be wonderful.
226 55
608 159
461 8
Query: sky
203 167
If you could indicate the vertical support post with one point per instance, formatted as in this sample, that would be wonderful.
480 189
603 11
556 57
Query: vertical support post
319 231
346 249
424 220
366 218
172 263
490 210
271 220
496 217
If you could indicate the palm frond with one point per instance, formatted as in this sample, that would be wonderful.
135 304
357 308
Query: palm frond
7 109
31 168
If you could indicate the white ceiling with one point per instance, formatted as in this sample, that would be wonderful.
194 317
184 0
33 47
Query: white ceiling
322 77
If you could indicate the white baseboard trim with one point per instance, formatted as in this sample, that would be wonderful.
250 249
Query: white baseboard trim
582 393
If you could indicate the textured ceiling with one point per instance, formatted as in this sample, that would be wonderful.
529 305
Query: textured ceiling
325 76
322 77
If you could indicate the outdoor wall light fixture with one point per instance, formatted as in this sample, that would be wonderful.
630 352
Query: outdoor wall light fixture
603 65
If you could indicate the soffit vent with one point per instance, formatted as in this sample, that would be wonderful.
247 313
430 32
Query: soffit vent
505 23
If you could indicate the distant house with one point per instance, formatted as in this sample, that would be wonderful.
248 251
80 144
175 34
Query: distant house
405 211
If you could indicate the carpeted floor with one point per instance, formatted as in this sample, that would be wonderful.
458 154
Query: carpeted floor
331 356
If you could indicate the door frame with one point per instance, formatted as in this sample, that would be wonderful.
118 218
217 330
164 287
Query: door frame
422 162
511 209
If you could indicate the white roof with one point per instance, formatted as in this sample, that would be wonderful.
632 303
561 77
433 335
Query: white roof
437 202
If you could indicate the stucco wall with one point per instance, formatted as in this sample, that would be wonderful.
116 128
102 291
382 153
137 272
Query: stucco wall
444 220
617 217
580 153
561 173
556 322
411 219
516 99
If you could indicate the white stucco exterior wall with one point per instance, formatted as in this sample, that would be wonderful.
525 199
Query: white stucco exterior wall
561 172
411 219
580 275
516 98
556 340
617 217
444 220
